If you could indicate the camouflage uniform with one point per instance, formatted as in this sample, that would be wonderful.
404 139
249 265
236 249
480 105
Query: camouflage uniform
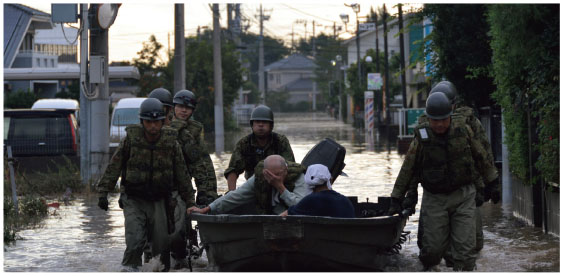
200 166
446 168
149 177
247 153
481 136
267 200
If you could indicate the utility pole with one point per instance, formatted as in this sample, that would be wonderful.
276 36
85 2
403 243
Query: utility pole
179 49
376 44
386 64
99 112
84 102
261 59
314 82
402 61
218 82
261 86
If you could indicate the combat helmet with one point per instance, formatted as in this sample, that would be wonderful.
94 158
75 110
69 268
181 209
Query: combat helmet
185 97
262 113
162 95
447 88
151 110
438 106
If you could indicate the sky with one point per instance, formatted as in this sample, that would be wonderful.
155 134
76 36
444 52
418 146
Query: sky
137 20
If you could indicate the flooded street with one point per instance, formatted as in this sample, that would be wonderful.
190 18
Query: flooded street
83 238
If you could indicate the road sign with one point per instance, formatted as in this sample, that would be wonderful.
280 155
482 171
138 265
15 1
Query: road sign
412 118
367 26
375 82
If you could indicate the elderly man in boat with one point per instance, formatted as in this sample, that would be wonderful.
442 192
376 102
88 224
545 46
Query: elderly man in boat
275 186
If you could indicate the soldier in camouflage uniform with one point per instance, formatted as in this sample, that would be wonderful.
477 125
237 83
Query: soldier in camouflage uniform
165 97
479 133
444 157
152 169
256 146
190 136
275 186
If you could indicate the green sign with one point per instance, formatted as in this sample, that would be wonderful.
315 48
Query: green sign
412 118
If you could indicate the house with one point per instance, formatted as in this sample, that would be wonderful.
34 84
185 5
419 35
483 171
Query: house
294 75
42 57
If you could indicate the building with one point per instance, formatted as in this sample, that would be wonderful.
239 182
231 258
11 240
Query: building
42 57
294 75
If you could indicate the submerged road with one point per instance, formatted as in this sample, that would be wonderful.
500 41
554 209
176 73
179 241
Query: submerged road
83 238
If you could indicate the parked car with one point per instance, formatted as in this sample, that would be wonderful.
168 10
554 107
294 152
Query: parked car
41 139
69 104
126 112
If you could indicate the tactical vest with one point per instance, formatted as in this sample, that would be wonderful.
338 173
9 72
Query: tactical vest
149 172
252 155
187 141
263 190
447 163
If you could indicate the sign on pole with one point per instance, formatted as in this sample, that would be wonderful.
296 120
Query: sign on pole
367 26
368 110
375 82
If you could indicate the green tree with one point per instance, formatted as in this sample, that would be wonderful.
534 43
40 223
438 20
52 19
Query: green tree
19 99
151 67
525 47
461 51
199 78
274 50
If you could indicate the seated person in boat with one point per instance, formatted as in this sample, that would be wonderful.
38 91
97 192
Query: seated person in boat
323 201
275 186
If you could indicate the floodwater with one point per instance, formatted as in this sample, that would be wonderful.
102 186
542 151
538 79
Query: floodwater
83 238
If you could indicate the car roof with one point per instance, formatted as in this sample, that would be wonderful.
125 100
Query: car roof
129 103
38 112
56 103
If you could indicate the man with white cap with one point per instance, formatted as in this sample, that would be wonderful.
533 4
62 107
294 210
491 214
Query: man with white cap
323 201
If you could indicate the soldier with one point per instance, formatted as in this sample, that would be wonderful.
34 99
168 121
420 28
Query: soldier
275 186
190 136
153 172
444 157
479 133
200 166
165 97
256 146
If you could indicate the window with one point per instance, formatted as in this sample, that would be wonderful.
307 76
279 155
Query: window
125 116
38 62
278 78
52 63
270 77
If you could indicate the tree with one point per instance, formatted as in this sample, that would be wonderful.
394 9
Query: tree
525 66
461 49
150 66
199 78
274 50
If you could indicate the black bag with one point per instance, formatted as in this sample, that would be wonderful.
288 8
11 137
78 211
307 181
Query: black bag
328 153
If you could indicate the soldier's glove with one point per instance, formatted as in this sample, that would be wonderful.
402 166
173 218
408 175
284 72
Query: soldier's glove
410 200
479 197
492 191
103 203
201 198
394 207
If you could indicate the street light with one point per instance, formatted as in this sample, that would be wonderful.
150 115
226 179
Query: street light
369 59
340 79
345 19
356 8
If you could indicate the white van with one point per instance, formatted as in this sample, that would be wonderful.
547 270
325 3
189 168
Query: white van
58 104
126 112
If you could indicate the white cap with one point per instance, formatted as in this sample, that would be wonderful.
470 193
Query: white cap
317 175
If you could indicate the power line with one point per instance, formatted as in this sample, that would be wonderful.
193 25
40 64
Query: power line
306 13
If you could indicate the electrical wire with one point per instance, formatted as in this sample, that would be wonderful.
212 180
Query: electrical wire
77 33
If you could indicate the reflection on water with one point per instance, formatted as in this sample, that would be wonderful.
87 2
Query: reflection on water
82 237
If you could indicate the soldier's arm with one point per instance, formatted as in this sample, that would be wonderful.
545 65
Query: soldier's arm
483 165
299 192
108 181
236 167
406 178
286 151
182 178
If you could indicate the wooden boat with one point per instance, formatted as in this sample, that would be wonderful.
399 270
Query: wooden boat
303 243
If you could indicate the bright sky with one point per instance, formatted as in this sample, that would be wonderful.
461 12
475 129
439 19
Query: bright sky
137 20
